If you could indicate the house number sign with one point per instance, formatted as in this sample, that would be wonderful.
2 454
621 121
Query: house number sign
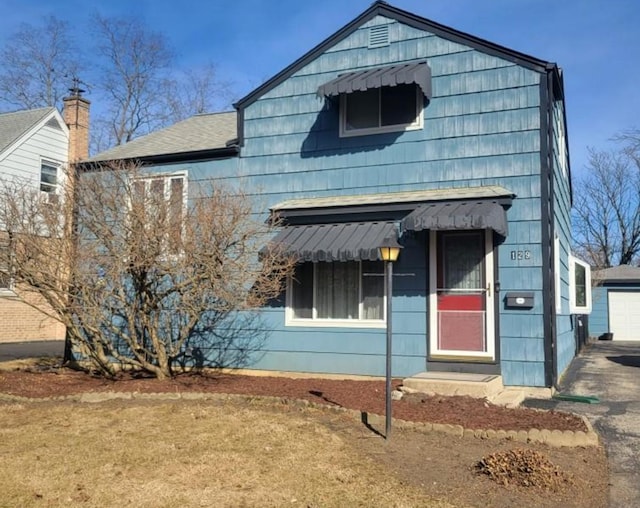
520 254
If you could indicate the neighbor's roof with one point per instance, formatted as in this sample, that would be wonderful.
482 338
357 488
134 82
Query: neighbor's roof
199 133
16 124
622 273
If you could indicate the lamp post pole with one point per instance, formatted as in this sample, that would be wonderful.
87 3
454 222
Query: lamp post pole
389 252
388 265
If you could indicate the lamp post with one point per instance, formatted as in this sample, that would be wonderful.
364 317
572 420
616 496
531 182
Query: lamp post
389 252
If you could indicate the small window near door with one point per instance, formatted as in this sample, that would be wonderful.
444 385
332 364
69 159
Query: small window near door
580 286
337 294
379 110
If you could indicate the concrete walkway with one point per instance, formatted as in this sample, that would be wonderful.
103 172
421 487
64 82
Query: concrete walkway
611 372
34 349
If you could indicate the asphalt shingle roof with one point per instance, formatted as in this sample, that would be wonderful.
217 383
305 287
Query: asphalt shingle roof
14 125
200 132
622 273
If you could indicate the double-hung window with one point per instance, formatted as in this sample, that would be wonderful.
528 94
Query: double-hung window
579 286
337 294
379 110
49 180
164 199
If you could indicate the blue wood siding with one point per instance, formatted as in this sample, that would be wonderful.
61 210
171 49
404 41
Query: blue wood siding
599 318
565 336
482 127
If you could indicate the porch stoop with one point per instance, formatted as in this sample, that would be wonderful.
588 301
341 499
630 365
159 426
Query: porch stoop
473 385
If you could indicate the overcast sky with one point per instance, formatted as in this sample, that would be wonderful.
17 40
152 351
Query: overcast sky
596 42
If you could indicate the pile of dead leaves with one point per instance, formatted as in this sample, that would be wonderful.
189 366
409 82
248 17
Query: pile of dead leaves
523 467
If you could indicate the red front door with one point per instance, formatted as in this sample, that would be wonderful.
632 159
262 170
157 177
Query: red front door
460 324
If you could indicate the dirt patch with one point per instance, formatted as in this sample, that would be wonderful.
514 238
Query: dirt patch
366 396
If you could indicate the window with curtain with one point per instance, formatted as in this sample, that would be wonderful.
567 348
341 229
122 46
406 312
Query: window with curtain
325 292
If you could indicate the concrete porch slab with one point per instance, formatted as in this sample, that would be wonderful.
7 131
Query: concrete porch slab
455 383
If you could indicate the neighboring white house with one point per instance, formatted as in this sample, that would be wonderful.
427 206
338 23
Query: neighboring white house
36 146
34 149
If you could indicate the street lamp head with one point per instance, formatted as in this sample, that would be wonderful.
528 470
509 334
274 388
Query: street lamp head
390 249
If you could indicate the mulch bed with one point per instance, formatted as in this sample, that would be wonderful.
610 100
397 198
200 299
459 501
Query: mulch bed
366 396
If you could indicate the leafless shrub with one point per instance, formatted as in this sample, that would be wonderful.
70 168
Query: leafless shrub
143 271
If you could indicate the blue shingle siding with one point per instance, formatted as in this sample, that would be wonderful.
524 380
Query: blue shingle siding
483 127
565 336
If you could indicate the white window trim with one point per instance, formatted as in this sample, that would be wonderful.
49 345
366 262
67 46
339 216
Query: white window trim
290 320
573 308
148 177
417 125
59 178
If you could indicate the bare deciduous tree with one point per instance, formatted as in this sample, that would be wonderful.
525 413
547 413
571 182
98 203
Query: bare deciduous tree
607 206
38 63
196 91
133 63
153 281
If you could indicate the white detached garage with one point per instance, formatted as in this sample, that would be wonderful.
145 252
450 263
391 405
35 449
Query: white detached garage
616 303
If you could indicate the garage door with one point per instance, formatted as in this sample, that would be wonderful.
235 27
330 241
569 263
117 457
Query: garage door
624 315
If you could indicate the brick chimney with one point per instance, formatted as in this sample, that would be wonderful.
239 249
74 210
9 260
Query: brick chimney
76 116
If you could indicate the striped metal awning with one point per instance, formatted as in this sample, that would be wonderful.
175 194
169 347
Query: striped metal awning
359 81
353 241
452 215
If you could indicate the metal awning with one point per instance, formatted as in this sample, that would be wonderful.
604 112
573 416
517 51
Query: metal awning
334 242
448 215
359 81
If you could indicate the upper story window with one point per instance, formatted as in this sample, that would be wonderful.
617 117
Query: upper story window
379 110
49 177
381 99
337 294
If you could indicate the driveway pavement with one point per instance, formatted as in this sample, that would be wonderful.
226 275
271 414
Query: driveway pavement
18 350
611 372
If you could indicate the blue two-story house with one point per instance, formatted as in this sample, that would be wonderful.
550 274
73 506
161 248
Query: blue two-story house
399 127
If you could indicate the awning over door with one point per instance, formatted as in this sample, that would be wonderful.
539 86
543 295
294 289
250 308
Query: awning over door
451 215
359 81
334 242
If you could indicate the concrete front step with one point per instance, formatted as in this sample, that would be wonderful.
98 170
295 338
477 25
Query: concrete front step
456 383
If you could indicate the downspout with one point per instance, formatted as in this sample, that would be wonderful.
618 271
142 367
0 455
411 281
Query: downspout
548 228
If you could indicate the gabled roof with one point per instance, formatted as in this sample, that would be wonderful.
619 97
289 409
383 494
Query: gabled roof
381 8
200 136
622 273
18 123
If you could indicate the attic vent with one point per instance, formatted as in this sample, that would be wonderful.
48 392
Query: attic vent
379 36
54 124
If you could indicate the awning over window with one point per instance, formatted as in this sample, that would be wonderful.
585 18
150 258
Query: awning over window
405 74
447 215
334 242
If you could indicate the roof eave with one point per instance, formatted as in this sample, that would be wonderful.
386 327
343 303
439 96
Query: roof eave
169 158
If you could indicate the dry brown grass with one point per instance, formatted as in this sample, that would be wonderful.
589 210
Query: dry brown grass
185 454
